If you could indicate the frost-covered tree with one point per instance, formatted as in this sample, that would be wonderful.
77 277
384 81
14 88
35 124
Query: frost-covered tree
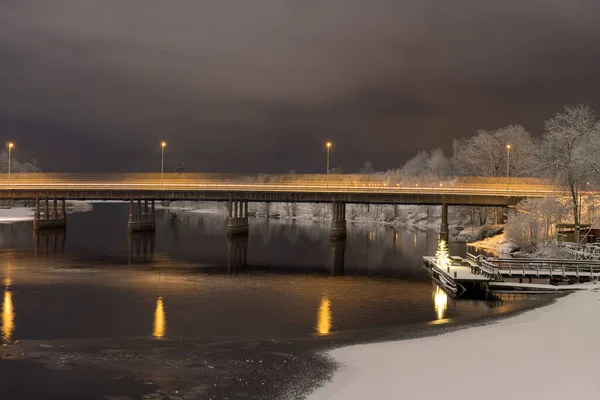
535 221
15 165
367 169
486 155
427 166
564 151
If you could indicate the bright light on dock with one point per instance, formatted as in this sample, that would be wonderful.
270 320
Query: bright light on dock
442 257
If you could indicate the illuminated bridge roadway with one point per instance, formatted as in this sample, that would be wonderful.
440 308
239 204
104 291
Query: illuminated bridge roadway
142 190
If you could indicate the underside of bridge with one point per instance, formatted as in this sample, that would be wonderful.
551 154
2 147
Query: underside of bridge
142 203
50 218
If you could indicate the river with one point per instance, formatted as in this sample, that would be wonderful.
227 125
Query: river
188 286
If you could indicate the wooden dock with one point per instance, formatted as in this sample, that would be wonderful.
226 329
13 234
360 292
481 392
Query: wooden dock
476 275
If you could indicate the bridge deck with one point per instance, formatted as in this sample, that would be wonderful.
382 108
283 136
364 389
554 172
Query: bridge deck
281 188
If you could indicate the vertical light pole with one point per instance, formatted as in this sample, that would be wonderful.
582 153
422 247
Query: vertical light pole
162 161
10 146
507 166
328 150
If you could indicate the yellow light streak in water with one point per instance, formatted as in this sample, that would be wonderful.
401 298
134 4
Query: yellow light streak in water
160 320
415 240
8 317
440 301
324 317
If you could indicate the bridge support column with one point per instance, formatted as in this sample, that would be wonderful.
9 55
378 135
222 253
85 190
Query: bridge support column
51 220
140 220
37 209
237 223
444 231
338 220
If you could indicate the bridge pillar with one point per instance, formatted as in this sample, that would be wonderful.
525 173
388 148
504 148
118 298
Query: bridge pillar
338 220
51 220
237 223
140 219
444 231
37 209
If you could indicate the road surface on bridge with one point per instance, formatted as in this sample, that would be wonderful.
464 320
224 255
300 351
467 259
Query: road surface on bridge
335 184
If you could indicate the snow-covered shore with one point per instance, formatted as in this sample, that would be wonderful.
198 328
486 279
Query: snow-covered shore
420 217
16 214
498 243
547 353
19 214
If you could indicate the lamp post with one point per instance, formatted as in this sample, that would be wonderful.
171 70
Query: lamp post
328 151
507 166
162 161
10 146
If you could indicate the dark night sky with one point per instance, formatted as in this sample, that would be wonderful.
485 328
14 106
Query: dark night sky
259 85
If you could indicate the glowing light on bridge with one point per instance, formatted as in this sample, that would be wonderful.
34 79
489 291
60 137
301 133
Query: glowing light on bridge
160 320
8 317
440 302
324 317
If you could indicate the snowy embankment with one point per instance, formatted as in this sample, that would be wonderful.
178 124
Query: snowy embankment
410 216
549 353
498 243
18 214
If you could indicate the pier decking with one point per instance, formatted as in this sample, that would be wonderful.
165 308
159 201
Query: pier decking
476 275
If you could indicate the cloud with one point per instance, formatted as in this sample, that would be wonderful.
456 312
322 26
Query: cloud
260 85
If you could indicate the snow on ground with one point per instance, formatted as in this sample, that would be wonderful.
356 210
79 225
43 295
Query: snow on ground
498 243
549 353
16 214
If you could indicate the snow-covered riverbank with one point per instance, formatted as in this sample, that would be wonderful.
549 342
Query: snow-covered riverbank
498 243
548 353
418 217
16 214
19 214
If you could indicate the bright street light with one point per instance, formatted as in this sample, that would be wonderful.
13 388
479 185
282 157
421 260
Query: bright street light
10 146
507 166
162 160
328 150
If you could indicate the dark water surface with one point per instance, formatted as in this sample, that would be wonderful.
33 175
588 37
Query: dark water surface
187 282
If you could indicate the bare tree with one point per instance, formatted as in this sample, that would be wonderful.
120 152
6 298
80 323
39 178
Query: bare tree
564 152
367 169
486 155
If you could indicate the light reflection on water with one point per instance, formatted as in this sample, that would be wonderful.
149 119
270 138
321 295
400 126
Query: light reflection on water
160 320
282 281
8 317
324 317
440 301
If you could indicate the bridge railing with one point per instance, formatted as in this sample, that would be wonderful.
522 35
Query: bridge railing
335 182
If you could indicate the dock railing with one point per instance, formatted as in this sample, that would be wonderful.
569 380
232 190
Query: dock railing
545 267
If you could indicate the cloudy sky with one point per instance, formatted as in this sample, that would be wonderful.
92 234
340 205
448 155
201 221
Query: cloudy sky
260 85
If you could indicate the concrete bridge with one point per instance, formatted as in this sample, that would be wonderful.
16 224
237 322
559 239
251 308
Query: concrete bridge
142 190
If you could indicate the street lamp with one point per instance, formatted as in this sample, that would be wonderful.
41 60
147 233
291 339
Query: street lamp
10 146
328 150
507 166
162 160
